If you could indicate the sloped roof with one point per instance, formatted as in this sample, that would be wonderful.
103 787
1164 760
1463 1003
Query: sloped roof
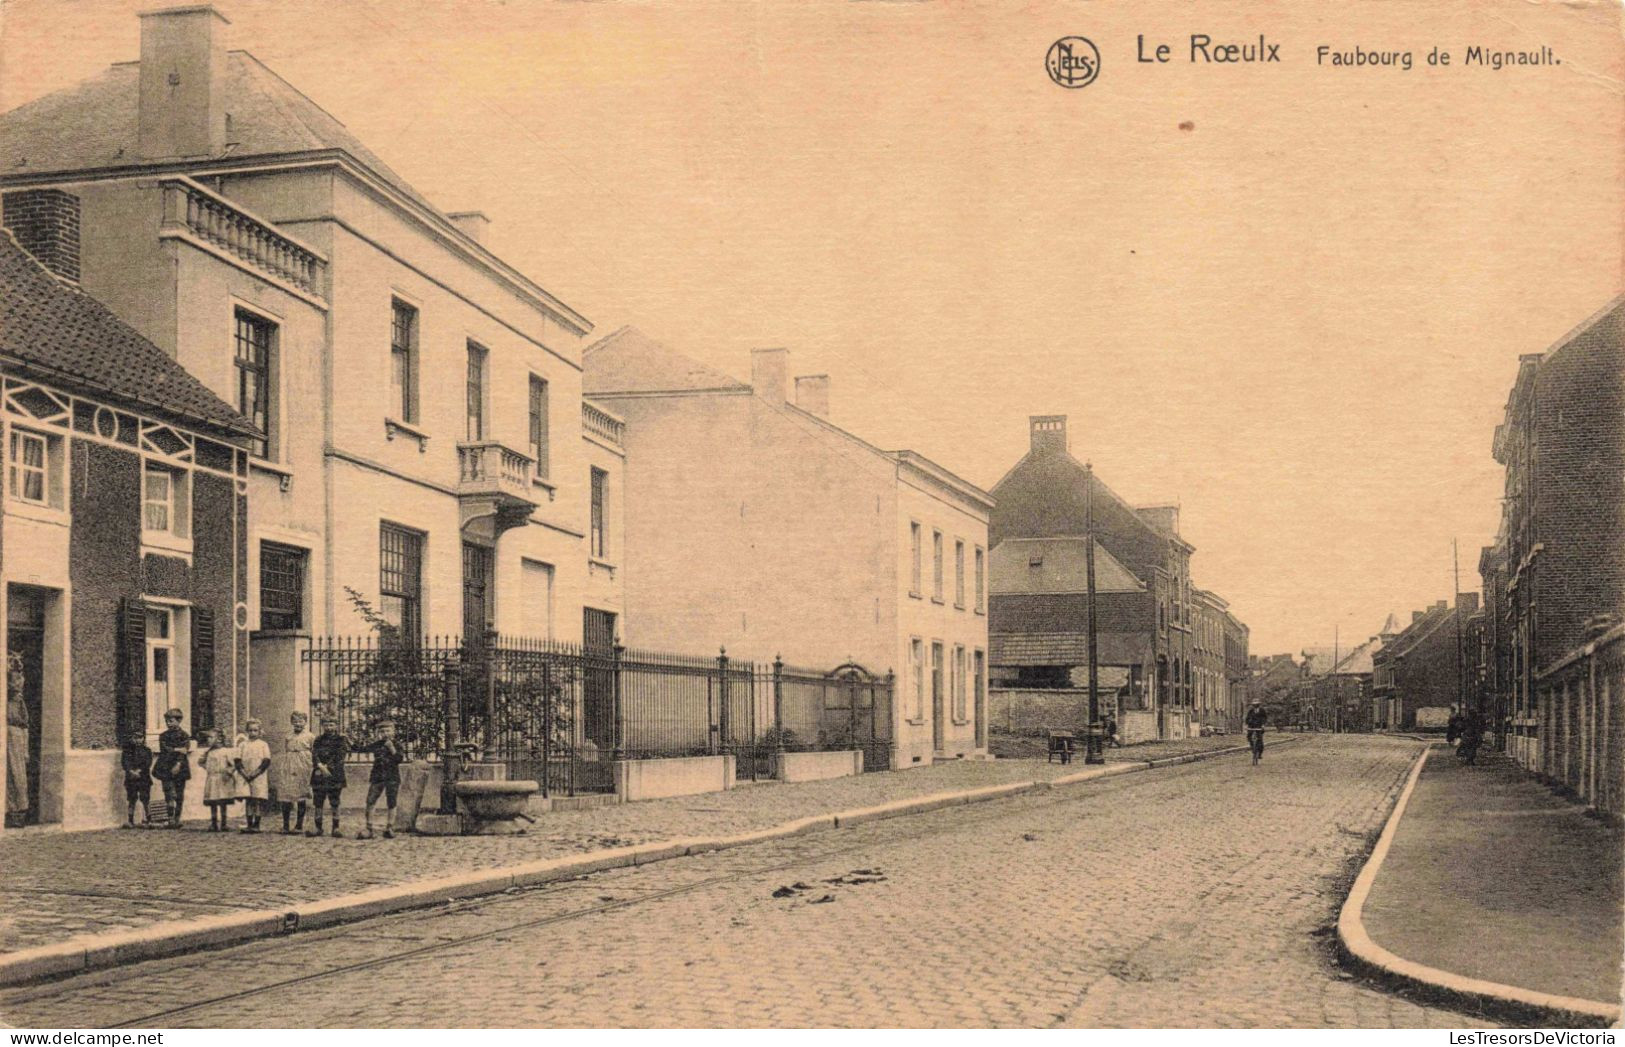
629 361
1358 662
1391 627
93 124
1418 631
1060 568
60 334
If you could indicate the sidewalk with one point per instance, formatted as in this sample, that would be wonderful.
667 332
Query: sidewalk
1491 876
59 886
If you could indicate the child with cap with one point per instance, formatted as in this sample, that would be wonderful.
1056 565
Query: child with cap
136 760
327 755
173 767
385 781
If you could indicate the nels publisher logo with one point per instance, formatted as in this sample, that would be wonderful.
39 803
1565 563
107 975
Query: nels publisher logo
1072 62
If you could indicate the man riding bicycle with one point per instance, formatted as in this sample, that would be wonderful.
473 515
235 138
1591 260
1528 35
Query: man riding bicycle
1254 721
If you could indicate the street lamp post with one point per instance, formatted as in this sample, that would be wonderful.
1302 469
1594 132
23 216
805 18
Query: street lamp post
1093 753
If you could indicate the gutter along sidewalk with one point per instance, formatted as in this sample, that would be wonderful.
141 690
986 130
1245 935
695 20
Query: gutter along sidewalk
82 901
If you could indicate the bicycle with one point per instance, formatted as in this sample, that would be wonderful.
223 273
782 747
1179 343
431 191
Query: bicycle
1255 742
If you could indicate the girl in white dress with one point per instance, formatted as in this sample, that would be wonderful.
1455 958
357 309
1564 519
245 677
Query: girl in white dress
253 768
219 763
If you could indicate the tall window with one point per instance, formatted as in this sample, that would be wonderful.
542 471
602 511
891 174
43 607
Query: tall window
282 586
600 481
538 425
936 566
403 344
254 340
936 679
959 574
400 579
916 666
28 466
959 688
981 580
476 393
914 559
536 596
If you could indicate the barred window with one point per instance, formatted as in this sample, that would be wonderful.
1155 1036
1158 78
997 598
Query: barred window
254 338
400 579
282 586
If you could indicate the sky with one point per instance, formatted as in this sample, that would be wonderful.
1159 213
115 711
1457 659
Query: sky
1288 296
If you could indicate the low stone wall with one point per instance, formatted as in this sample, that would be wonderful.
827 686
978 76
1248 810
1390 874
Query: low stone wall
1136 726
817 766
1033 711
680 776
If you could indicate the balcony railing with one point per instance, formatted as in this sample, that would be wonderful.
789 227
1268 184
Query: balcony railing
216 221
487 467
602 424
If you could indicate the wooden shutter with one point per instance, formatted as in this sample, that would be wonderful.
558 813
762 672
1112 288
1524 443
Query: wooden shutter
132 666
202 669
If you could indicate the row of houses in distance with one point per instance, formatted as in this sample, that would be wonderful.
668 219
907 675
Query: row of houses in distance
265 382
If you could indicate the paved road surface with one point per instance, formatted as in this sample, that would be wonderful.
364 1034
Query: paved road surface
1200 895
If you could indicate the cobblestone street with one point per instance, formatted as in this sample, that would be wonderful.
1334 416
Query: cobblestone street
1193 895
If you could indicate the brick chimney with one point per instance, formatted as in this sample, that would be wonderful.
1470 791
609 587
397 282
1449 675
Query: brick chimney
812 394
1416 616
472 224
46 225
182 104
1048 432
770 373
1467 602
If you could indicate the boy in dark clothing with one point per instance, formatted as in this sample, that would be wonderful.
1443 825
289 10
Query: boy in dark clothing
327 755
386 777
136 760
173 767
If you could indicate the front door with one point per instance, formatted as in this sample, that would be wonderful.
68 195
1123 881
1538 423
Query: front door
939 711
25 642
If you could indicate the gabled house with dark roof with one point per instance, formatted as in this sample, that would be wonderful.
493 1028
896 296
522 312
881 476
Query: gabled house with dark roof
1147 629
123 553
760 524
423 440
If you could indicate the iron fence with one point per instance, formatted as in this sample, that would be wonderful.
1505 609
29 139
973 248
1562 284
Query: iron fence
561 713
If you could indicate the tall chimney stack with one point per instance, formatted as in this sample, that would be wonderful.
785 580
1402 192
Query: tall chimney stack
1048 432
769 373
46 225
182 104
812 394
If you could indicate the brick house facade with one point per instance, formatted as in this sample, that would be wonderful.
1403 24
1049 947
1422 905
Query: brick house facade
1146 629
124 575
1558 566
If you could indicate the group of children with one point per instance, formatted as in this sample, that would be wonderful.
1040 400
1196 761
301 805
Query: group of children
305 770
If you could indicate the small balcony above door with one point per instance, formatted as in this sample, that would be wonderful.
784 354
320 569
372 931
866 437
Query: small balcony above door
493 481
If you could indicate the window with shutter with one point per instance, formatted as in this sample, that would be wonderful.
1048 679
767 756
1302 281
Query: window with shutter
202 669
132 667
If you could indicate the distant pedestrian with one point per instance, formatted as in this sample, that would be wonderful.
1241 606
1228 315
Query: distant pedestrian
1472 735
385 780
219 780
173 767
290 772
327 755
253 763
1109 724
136 761
1453 726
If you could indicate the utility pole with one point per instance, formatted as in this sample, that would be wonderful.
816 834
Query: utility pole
1455 598
1337 692
1093 753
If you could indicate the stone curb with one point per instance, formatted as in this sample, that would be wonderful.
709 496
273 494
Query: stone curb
99 951
1357 946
